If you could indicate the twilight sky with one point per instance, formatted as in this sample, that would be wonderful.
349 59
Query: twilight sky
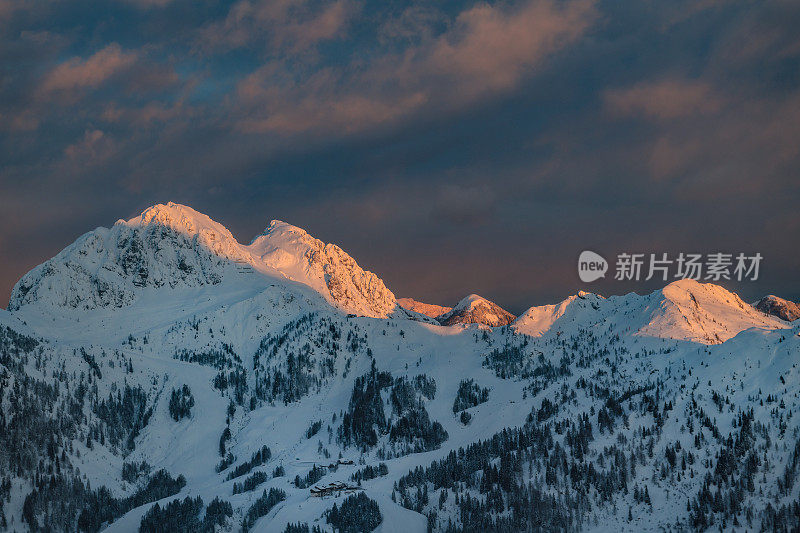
450 147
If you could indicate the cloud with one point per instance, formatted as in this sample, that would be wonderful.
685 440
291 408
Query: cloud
148 4
491 47
487 50
296 108
327 24
410 119
148 77
285 25
147 115
20 121
664 99
93 148
77 73
7 8
762 38
414 24
746 152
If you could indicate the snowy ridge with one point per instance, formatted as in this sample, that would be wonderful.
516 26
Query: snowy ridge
539 319
430 310
108 268
683 310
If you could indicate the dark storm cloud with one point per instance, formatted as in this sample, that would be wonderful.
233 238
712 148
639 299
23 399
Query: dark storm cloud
452 147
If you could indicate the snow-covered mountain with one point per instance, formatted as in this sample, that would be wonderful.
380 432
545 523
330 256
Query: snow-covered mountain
683 310
161 376
475 309
175 246
700 312
783 309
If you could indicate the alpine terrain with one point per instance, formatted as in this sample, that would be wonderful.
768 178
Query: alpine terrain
773 305
159 375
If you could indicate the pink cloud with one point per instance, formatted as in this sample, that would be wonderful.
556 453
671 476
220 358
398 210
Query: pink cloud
147 115
347 113
7 8
488 49
326 25
413 24
276 105
491 48
93 148
24 120
288 25
664 99
743 151
78 73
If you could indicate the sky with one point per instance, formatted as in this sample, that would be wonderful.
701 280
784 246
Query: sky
450 147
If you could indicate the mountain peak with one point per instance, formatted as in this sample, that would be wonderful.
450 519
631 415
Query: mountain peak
683 310
169 210
176 216
279 227
691 292
191 224
777 306
475 309
470 301
700 312
682 286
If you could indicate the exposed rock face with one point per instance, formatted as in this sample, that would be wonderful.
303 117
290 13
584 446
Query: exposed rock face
476 310
173 245
430 310
783 309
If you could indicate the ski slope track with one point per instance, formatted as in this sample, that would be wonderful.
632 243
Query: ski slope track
250 374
